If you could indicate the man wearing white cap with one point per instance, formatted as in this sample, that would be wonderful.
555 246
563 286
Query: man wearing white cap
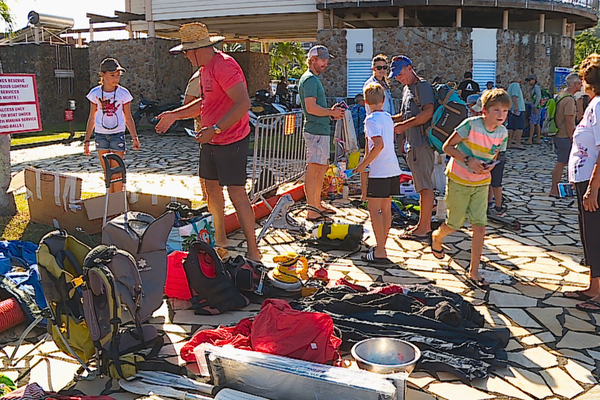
223 106
316 127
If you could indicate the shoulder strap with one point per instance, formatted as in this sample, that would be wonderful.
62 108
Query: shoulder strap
555 111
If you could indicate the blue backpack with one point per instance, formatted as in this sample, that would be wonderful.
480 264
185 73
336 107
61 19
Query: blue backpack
450 111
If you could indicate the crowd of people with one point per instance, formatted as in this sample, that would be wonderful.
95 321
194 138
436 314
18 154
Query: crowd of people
476 148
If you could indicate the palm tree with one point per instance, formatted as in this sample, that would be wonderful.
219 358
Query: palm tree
285 56
7 201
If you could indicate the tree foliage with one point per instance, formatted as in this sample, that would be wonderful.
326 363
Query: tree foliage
586 43
288 59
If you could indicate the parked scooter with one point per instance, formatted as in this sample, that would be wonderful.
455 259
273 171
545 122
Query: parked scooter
263 104
150 109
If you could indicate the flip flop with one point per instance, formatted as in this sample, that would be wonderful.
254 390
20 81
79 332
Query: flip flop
439 254
481 285
319 218
411 236
581 306
370 257
329 211
578 295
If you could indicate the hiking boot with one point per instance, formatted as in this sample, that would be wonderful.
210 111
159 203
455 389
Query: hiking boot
497 212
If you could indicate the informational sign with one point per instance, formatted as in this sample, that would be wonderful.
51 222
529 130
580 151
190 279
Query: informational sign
69 115
560 75
19 104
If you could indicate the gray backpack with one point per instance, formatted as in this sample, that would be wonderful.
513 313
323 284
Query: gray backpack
145 238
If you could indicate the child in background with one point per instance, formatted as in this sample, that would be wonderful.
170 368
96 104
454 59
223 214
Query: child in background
110 113
384 172
474 146
358 117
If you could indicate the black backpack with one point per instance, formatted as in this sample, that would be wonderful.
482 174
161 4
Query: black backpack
212 287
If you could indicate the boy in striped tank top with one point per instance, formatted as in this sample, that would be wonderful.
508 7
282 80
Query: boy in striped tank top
474 147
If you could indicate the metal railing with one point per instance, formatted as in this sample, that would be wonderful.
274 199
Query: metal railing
279 153
591 4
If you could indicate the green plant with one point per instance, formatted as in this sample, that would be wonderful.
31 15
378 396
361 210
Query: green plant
287 57
586 43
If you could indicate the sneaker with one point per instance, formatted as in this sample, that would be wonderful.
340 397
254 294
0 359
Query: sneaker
497 212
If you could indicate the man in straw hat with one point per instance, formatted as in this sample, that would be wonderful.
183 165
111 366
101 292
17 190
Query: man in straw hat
223 106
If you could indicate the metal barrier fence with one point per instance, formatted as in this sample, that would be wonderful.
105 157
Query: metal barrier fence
279 153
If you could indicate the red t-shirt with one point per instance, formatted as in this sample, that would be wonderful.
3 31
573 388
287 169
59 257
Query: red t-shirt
216 78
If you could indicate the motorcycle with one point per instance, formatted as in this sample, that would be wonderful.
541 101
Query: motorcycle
263 104
150 109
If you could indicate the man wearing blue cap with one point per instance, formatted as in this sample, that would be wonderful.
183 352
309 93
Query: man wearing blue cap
414 119
317 130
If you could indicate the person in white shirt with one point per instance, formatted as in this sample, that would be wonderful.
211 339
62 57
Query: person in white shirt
384 172
584 173
110 114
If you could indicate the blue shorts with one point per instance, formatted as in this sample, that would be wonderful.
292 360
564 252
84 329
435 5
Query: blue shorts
563 149
110 141
516 122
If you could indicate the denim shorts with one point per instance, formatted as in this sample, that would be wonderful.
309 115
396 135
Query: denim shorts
110 141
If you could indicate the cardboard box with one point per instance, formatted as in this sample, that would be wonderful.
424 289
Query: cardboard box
55 200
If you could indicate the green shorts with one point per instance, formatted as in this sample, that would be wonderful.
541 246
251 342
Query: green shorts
463 201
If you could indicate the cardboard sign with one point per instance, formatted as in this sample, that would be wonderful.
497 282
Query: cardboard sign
19 104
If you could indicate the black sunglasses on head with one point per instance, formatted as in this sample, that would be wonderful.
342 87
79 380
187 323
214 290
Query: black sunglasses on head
380 67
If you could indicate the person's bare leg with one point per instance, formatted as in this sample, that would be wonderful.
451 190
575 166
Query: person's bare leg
386 213
313 183
476 251
538 134
245 215
497 196
437 237
203 191
518 134
216 206
511 137
426 203
593 289
556 177
531 132
377 221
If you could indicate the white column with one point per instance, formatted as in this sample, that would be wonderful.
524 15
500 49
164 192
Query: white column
505 19
149 18
459 17
320 20
79 40
564 27
91 32
542 22
401 17
331 19
36 34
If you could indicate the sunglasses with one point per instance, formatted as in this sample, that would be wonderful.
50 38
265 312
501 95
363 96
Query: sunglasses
380 67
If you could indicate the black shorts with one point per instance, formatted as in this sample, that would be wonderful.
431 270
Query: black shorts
498 171
382 188
225 163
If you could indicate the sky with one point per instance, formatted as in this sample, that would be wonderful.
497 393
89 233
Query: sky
75 9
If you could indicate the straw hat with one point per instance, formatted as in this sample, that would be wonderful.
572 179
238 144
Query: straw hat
195 36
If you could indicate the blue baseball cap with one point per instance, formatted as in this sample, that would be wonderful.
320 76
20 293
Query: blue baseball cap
398 63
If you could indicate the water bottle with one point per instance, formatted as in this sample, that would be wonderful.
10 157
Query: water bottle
440 213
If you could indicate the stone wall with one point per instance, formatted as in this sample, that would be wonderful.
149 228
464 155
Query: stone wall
520 51
334 77
443 52
256 69
53 93
151 70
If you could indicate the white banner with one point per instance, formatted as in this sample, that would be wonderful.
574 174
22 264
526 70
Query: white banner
19 105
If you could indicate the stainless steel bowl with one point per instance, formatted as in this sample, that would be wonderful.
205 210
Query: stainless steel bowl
386 355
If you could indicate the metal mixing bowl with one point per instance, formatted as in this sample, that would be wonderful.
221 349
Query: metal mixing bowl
386 355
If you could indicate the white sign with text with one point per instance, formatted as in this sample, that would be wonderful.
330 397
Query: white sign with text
19 105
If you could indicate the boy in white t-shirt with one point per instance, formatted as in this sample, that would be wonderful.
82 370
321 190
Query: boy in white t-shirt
384 173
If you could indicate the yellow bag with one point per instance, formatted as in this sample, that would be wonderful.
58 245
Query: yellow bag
128 366
333 184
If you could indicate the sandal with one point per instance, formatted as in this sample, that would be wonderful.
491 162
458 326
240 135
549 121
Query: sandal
407 235
370 257
480 283
439 254
582 306
577 295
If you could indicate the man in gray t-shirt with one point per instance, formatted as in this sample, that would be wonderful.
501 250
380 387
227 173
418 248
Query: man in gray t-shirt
412 122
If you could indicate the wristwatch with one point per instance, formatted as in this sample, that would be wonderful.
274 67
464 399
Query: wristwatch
466 160
217 129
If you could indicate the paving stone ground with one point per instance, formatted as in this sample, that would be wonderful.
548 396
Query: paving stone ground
554 352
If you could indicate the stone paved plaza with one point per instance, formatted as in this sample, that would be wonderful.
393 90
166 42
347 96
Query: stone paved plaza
554 351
